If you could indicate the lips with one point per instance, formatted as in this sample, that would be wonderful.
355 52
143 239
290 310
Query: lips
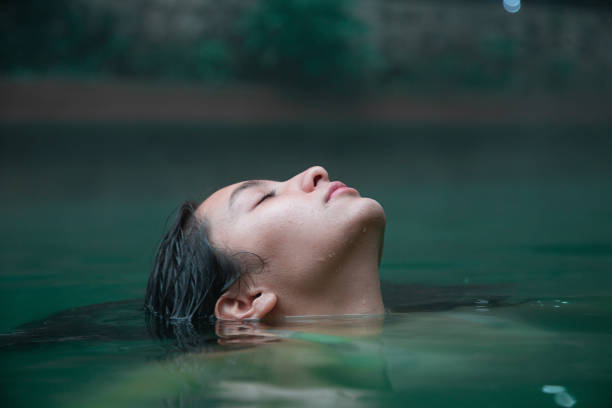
335 188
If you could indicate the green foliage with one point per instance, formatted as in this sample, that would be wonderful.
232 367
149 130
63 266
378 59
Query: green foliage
40 35
305 42
69 37
298 42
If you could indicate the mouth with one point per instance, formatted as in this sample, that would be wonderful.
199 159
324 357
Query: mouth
336 188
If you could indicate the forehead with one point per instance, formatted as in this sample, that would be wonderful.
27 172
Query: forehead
221 201
216 204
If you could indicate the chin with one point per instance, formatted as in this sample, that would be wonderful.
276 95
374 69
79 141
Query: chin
370 213
365 228
375 209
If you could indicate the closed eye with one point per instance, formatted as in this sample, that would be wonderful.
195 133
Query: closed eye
265 197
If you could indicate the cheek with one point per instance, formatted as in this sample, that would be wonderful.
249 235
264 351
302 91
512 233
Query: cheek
302 231
265 232
282 229
290 238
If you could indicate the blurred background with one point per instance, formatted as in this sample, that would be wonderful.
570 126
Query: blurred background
482 126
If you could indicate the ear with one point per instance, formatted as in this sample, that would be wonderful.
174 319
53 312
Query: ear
241 306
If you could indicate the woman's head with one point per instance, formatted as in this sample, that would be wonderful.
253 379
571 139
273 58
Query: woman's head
302 246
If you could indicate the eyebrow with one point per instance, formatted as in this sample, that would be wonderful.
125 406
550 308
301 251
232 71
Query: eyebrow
241 188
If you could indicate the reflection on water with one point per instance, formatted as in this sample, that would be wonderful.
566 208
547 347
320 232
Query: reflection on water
123 320
501 356
561 396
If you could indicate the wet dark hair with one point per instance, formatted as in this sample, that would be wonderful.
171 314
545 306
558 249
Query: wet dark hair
188 274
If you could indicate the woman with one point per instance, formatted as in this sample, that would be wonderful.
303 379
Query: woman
268 249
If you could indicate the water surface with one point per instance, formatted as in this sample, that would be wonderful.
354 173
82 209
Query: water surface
502 235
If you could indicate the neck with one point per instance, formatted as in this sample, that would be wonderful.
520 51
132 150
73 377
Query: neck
351 283
358 287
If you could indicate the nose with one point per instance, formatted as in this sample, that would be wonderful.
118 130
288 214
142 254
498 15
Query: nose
310 178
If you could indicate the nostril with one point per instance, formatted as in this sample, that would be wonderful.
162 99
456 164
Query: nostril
316 179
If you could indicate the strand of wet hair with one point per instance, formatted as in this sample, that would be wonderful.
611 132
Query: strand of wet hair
187 271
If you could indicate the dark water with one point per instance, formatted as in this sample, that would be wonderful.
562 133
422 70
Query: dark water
476 214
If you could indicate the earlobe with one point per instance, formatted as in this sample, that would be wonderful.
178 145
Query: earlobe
232 307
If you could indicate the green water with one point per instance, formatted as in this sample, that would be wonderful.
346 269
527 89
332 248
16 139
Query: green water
522 212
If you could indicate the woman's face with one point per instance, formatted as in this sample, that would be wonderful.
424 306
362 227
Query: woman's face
304 228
